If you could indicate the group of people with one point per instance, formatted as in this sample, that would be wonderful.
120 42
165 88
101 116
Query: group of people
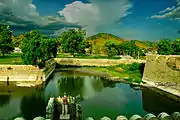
64 102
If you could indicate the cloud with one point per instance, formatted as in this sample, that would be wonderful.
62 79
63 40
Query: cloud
171 13
98 15
22 14
58 32
167 9
178 2
95 16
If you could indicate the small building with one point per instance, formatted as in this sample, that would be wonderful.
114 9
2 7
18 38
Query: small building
17 50
126 57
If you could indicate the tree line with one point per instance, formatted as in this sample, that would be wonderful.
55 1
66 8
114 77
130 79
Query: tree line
37 48
124 48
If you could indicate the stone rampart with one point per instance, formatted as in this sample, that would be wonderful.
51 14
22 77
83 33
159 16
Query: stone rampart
95 62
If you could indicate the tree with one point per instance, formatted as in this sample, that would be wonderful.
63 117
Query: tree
129 48
176 47
72 41
112 52
111 48
6 44
17 40
37 48
165 47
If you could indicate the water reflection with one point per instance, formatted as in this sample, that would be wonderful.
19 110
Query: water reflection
4 99
99 97
71 85
33 106
102 97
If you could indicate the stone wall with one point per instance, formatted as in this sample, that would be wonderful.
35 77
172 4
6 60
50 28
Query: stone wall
26 73
162 68
163 74
19 72
50 66
95 62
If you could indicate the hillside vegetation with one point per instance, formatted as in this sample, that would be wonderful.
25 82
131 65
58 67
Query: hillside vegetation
98 42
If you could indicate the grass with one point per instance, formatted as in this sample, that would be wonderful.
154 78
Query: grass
13 59
131 73
87 56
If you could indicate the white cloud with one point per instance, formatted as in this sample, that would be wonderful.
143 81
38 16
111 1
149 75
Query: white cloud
58 32
96 16
172 13
26 11
178 2
167 9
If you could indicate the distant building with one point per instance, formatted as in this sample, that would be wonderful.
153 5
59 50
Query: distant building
126 57
17 50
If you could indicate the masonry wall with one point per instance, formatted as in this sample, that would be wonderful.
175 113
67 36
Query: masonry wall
95 62
162 68
26 73
50 66
19 72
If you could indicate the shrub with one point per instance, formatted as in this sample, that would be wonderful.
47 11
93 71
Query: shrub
134 66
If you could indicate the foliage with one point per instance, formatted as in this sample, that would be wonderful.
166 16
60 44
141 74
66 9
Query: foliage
124 48
37 48
104 36
112 52
111 48
132 72
72 41
6 44
98 42
176 47
134 66
165 47
17 40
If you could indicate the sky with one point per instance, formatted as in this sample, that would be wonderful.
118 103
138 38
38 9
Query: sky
128 19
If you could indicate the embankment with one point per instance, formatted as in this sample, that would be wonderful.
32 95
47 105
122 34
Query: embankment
163 72
23 74
95 62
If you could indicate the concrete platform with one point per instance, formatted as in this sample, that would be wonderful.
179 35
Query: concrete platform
64 117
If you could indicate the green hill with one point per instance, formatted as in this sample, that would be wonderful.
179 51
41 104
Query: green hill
99 40
142 44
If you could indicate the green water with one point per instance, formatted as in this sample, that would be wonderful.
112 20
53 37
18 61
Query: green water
100 97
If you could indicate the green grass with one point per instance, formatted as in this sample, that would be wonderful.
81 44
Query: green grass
127 73
13 59
86 56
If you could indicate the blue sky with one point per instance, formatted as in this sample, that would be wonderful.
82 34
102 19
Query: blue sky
128 19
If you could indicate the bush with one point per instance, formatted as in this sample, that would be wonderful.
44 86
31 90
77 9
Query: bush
134 66
111 52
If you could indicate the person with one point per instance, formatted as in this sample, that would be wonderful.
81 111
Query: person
59 99
65 104
7 80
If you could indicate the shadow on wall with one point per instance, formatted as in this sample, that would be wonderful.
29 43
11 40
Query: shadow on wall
156 103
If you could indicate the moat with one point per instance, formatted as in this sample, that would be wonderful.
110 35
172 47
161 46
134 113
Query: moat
100 97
